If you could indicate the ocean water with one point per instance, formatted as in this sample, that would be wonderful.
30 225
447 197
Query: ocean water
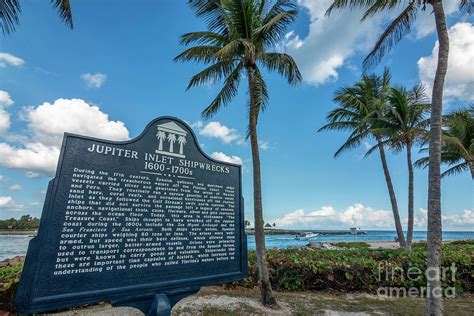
285 241
11 246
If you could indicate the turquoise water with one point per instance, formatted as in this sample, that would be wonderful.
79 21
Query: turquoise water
11 246
285 241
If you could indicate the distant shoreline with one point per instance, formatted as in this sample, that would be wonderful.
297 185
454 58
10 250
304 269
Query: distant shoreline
12 232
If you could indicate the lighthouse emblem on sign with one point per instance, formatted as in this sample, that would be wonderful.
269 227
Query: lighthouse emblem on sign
171 139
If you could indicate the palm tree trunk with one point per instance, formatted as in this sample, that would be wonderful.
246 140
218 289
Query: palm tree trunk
268 298
410 197
434 300
391 192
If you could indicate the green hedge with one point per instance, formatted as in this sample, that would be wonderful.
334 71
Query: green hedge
361 268
348 269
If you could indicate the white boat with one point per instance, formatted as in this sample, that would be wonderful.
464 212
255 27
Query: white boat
307 235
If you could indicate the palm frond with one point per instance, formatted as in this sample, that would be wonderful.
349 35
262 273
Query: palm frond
276 22
212 74
64 11
227 93
379 6
422 163
465 6
202 38
392 35
212 13
10 11
351 4
283 64
462 167
204 54
353 141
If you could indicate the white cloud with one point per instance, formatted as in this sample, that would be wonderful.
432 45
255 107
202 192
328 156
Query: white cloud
2 178
15 187
7 59
459 82
4 121
222 132
32 174
47 124
425 22
327 217
7 203
263 145
94 80
331 41
358 215
5 99
223 157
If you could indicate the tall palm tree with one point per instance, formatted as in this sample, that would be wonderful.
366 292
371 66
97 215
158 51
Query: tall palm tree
10 11
395 31
361 111
457 149
239 36
405 125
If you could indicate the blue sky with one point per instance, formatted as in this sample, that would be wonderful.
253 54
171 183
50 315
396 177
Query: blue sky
119 58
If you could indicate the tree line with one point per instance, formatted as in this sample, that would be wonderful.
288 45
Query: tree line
238 43
25 222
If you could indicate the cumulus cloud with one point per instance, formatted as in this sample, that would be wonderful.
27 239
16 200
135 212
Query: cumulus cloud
223 157
5 99
7 59
15 187
425 24
8 203
329 218
217 130
331 41
459 78
358 215
47 124
4 121
94 80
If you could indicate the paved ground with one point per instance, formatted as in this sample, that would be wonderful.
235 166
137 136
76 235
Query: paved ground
218 301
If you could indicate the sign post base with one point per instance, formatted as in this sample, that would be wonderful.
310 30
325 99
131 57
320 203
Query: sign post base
159 305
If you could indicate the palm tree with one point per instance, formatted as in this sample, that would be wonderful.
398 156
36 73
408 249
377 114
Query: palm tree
10 11
457 149
171 138
361 111
406 124
182 142
239 35
396 30
161 136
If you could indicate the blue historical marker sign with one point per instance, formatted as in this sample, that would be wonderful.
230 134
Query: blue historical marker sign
138 223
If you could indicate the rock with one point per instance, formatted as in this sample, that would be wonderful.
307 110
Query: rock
12 261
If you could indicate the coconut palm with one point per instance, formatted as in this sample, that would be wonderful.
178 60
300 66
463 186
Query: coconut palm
457 149
171 138
239 36
10 11
405 125
395 31
182 142
161 136
361 110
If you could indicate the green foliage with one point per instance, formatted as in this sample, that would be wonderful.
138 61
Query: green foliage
9 278
26 222
351 245
359 268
